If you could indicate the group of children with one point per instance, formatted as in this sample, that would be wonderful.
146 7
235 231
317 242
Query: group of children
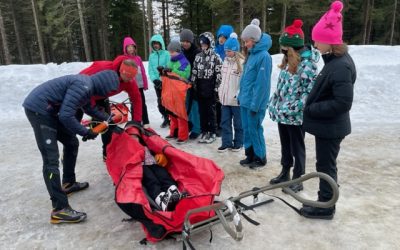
220 78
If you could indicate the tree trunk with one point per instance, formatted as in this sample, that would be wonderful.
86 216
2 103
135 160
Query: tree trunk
284 11
167 16
38 32
393 23
7 55
144 30
164 20
368 35
104 31
17 34
150 18
366 19
264 15
84 33
241 8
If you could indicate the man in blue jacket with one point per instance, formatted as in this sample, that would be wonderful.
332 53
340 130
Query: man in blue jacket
51 109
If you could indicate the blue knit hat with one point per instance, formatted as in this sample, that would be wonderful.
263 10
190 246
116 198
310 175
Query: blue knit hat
232 43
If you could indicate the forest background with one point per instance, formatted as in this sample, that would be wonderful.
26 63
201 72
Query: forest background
42 31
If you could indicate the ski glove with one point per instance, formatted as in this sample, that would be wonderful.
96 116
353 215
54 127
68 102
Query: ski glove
89 136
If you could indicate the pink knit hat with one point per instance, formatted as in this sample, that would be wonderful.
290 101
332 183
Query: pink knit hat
329 28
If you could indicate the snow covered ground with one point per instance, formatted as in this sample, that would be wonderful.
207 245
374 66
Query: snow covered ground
367 213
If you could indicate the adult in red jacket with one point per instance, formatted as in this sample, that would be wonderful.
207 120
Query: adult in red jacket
127 84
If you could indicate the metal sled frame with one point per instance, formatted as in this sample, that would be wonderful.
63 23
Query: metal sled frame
230 209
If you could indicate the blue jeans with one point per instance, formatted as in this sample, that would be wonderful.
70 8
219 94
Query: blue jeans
253 131
229 113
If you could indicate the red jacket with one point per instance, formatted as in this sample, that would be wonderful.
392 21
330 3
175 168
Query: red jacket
130 88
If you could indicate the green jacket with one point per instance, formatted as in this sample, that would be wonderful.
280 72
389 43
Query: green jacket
157 58
287 103
180 65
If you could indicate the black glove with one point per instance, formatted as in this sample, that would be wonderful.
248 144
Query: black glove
89 136
160 69
157 84
253 113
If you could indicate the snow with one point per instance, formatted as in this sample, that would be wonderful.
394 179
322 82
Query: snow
367 211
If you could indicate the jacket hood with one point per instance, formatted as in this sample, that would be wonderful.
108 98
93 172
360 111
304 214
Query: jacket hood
310 53
128 41
210 37
104 82
264 44
224 30
157 38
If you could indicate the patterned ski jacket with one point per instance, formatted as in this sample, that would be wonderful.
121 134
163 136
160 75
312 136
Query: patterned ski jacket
157 57
287 103
207 68
229 88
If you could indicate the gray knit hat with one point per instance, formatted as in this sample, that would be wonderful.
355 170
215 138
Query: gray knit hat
186 35
174 45
252 31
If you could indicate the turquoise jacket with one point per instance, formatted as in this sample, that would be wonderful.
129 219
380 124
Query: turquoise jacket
255 84
157 58
287 103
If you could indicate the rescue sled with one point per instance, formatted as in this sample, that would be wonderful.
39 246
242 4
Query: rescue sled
199 178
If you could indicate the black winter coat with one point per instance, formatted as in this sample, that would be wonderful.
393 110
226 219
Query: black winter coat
326 113
62 97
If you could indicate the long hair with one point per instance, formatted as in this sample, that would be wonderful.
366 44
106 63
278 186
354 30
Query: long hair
292 60
238 57
339 50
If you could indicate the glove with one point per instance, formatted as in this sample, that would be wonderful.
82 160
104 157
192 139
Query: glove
253 113
160 69
157 84
89 136
161 159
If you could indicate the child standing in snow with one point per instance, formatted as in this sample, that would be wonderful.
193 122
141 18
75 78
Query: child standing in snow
326 113
253 97
206 77
228 90
295 81
141 77
181 66
159 57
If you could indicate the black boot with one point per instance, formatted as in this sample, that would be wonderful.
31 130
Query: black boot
165 123
295 187
258 162
318 213
249 152
282 177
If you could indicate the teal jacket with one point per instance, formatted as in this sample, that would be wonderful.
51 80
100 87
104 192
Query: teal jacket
157 58
255 84
287 103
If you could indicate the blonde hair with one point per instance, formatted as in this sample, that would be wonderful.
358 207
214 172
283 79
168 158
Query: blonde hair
238 58
129 62
292 60
339 50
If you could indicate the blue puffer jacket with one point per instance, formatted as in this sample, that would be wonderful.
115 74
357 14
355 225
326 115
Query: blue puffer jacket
255 84
63 96
224 30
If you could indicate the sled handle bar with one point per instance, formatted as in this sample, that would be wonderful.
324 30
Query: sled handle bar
226 210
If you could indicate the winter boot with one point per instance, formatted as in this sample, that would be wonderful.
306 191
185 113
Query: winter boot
258 162
318 213
282 177
174 197
249 152
165 123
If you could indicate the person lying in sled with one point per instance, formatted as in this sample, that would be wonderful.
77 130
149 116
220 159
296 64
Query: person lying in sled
156 180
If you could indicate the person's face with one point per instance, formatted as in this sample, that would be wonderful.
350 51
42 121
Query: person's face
126 78
229 53
204 46
172 53
186 45
249 43
130 49
156 45
323 47
221 40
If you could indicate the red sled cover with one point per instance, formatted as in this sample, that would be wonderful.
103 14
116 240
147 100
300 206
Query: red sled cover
201 178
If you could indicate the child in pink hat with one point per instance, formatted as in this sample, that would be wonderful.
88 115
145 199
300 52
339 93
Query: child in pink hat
326 112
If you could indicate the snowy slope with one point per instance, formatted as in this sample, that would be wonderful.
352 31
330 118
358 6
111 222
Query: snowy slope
369 168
